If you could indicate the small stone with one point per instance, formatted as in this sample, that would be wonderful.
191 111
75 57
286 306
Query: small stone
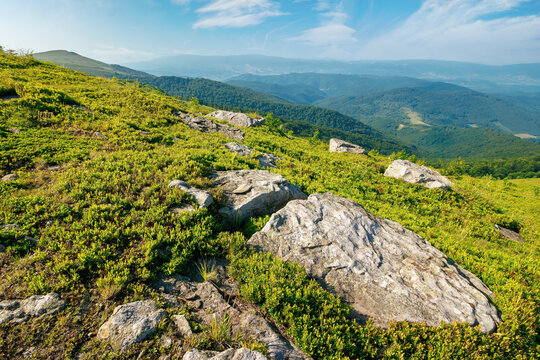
183 325
203 198
53 168
8 227
182 209
10 177
145 132
99 135
131 323
14 130
242 189
340 146
36 305
166 341
509 234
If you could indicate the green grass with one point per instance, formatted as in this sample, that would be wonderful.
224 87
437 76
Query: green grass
105 231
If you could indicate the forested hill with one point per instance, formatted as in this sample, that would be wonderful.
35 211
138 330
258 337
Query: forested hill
304 120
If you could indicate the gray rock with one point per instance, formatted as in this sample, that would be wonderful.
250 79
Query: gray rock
36 305
340 146
417 174
14 130
207 125
230 354
385 271
182 209
131 323
236 119
509 234
183 325
99 135
203 198
10 177
209 301
8 227
265 160
252 193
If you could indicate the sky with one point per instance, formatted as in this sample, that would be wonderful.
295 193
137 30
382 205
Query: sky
124 31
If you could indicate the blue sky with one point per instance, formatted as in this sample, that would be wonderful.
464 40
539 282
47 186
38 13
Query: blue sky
122 31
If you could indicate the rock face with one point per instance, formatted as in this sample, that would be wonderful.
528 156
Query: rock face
340 146
207 125
237 119
131 323
10 177
252 193
182 325
203 198
209 300
265 160
36 305
230 354
385 271
416 174
509 234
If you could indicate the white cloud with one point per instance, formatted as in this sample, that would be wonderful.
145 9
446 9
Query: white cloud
466 30
236 13
111 53
332 33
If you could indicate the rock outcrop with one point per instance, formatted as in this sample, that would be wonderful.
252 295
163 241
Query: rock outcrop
385 271
207 125
36 305
340 146
10 177
230 354
131 323
251 193
417 174
203 198
209 300
236 119
265 160
509 234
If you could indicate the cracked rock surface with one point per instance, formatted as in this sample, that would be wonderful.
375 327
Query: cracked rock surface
207 125
383 270
36 305
340 146
237 119
265 160
251 193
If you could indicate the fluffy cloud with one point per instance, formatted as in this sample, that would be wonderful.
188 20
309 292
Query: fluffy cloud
332 34
236 13
470 30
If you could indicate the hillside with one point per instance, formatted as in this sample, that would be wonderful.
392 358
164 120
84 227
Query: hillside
301 119
87 216
77 62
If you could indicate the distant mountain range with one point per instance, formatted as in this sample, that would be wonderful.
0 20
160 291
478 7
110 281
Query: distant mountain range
431 118
486 78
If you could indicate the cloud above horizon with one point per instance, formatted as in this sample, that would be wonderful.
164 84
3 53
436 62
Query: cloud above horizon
332 33
234 13
471 30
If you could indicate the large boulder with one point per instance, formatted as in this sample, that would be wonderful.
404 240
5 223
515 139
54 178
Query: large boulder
36 305
340 146
203 198
417 174
385 271
237 119
207 125
131 323
265 160
252 193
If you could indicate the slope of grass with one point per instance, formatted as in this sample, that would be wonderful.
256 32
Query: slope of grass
105 231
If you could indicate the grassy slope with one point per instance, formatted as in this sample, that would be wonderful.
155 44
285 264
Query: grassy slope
104 230
304 120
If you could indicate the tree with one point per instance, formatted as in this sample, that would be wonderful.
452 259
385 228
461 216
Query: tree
272 122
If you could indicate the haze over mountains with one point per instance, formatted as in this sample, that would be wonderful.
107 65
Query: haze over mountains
487 78
431 118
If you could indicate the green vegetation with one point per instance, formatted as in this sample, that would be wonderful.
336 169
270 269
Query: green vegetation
104 229
498 168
